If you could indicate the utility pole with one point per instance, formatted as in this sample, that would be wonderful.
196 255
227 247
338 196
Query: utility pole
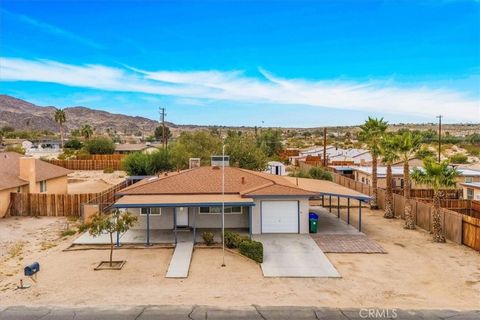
325 147
162 120
439 136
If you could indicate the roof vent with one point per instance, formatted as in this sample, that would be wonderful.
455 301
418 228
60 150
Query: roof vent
243 180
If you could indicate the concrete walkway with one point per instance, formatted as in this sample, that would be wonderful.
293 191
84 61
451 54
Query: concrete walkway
248 312
294 255
180 263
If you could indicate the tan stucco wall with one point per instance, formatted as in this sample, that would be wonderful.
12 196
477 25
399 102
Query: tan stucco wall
476 192
56 185
256 214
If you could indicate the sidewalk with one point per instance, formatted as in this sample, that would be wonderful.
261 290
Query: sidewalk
250 313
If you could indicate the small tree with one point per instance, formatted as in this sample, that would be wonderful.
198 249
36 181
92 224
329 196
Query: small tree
388 151
86 131
436 176
111 223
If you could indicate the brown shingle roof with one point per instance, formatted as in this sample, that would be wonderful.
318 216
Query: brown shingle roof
10 170
208 180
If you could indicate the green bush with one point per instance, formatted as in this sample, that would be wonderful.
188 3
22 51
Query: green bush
208 238
320 174
252 249
108 170
424 153
100 145
15 149
142 164
233 240
73 144
458 158
67 233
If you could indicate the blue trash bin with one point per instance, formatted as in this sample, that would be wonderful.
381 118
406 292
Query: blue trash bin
30 270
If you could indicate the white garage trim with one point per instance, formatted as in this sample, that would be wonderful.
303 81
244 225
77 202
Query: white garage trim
287 210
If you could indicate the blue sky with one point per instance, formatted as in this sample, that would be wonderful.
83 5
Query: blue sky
286 63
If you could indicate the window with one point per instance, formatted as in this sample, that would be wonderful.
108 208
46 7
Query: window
19 189
43 186
469 194
153 211
468 179
363 179
218 210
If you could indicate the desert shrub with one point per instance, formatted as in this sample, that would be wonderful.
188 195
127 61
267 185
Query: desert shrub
458 158
15 149
302 173
68 233
142 164
100 145
233 240
252 249
473 150
424 153
320 174
207 238
74 144
108 170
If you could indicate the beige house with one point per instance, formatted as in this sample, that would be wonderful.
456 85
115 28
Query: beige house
126 148
364 175
25 174
471 191
254 201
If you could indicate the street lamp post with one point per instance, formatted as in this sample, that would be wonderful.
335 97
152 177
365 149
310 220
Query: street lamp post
223 206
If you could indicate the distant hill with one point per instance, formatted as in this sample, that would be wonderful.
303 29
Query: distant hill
23 115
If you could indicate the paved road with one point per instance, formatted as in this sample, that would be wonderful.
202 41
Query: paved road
202 312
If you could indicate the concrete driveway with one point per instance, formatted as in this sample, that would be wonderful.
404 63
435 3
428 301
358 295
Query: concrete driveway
294 255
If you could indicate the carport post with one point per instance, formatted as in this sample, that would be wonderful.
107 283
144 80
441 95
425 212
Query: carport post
148 227
330 203
338 207
175 223
250 222
348 210
360 215
118 239
323 200
194 225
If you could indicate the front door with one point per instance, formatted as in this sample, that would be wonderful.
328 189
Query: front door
182 217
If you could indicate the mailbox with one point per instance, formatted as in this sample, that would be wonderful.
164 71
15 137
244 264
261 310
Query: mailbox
31 269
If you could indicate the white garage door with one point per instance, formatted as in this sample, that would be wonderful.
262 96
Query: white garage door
279 216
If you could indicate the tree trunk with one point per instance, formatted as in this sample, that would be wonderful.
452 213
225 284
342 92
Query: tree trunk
61 135
389 195
374 201
437 224
409 218
111 249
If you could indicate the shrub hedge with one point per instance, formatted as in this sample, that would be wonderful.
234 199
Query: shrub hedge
252 249
208 238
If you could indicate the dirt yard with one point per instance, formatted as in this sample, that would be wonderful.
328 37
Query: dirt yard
415 273
91 181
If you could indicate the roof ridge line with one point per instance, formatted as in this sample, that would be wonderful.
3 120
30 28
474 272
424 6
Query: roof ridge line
164 177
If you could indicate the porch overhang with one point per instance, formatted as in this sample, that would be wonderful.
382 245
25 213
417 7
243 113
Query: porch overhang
195 200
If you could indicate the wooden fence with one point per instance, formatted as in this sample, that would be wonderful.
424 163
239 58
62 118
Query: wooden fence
428 193
471 232
44 204
100 157
89 164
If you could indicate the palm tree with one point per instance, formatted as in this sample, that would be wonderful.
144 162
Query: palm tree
408 144
60 118
388 151
437 176
86 131
371 133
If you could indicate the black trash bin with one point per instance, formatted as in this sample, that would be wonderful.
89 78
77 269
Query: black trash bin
313 222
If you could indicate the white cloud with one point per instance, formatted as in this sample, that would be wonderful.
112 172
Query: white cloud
54 30
370 96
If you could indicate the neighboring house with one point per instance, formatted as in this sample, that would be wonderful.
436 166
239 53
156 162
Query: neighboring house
25 174
276 168
126 148
471 190
354 156
254 201
364 175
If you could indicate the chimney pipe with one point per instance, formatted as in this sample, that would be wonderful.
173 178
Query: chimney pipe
243 180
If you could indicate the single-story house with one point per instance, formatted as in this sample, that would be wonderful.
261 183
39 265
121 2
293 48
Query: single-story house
29 175
276 168
256 202
471 190
126 148
364 175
